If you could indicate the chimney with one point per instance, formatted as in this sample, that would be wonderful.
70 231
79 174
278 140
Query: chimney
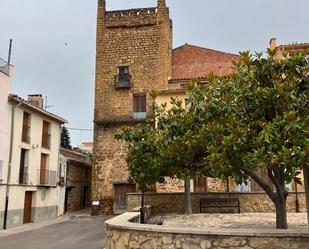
36 100
273 43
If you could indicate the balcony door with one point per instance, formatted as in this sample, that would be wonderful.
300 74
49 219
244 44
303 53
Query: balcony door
23 167
43 169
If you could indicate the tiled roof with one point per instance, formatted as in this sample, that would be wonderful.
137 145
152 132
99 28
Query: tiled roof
13 98
191 61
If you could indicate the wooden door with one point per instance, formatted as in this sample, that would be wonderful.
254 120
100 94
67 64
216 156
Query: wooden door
200 185
43 169
84 196
120 196
27 207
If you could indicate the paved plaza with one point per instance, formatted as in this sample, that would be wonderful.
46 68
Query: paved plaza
74 232
245 220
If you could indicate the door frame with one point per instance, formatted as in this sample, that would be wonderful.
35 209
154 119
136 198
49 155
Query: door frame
115 210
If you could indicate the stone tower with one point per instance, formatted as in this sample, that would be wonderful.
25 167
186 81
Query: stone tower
134 56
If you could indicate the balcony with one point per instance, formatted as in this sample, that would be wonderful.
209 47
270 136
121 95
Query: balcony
4 67
123 81
23 176
47 178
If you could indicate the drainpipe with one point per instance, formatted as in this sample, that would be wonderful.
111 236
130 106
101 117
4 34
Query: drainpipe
10 165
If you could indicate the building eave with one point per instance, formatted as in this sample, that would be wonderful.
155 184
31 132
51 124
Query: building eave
15 100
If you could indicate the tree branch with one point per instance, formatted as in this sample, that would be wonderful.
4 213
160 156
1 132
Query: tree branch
277 180
259 181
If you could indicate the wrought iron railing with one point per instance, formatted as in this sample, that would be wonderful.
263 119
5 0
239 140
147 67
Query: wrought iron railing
123 81
47 177
23 176
4 67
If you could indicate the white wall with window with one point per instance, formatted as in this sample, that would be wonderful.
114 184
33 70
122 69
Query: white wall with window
244 187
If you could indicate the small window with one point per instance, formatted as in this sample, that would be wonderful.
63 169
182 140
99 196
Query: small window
140 106
123 70
245 188
123 77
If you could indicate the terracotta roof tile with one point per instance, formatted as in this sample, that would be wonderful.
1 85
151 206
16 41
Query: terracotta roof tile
196 62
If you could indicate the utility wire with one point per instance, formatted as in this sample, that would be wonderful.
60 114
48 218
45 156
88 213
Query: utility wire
79 129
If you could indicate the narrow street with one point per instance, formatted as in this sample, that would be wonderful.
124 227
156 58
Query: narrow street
83 232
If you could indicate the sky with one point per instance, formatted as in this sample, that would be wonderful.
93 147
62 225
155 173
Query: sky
54 42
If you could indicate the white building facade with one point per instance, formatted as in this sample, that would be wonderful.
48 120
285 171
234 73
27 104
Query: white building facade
33 160
5 114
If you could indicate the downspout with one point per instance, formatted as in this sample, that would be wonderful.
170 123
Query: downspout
9 165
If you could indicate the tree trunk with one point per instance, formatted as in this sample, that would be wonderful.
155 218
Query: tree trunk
279 197
142 211
281 214
188 196
306 180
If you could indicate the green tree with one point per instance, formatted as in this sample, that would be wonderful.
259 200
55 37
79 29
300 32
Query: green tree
183 148
65 138
173 149
261 122
144 163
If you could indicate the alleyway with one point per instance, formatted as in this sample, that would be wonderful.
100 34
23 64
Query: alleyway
77 232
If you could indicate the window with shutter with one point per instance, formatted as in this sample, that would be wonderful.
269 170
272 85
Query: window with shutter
26 128
139 106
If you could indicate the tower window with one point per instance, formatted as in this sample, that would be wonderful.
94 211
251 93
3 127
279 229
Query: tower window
139 106
123 77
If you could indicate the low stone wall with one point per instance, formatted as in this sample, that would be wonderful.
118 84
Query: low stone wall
123 234
249 202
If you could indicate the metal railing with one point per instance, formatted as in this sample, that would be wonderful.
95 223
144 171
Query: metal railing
4 67
47 177
24 176
123 81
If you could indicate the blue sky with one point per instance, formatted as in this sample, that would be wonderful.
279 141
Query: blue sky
54 41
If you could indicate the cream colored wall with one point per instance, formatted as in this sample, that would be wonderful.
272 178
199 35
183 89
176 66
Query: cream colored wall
5 117
35 149
42 196
166 98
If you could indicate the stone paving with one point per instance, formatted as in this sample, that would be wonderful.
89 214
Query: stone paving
245 220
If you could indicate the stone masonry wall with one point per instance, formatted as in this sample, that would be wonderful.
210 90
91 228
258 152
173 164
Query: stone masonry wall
122 239
78 177
111 167
142 40
174 202
124 233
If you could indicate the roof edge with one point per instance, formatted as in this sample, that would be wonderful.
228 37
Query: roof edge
204 48
18 100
